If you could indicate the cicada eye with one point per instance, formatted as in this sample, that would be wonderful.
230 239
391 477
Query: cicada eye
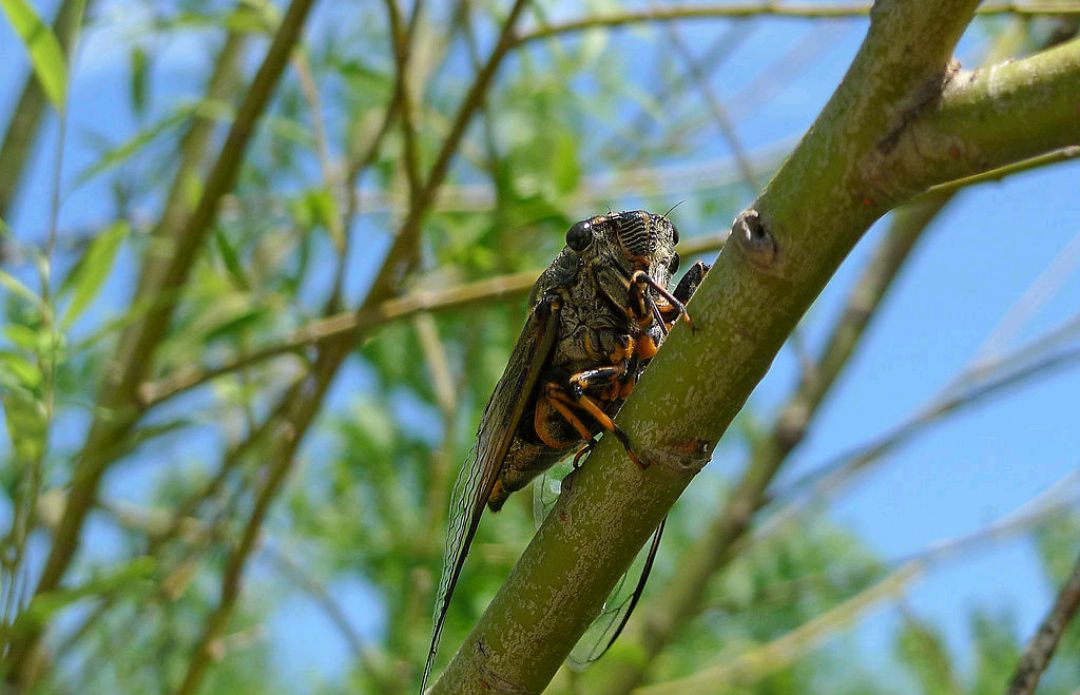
580 236
673 266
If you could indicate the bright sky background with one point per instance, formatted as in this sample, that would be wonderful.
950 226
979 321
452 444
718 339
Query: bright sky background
975 263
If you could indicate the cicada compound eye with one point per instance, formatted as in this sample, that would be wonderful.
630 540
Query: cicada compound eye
580 236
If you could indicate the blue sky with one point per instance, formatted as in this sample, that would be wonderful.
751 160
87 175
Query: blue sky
975 263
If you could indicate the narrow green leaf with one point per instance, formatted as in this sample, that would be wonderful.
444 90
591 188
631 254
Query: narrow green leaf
22 336
129 147
45 605
15 286
86 280
25 372
231 260
235 325
139 75
25 419
41 43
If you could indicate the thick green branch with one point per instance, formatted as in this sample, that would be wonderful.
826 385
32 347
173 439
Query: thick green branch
779 259
684 594
987 118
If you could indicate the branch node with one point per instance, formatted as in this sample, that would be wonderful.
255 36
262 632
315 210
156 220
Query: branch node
683 457
756 242
792 423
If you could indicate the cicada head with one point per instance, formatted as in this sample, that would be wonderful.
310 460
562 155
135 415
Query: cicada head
634 240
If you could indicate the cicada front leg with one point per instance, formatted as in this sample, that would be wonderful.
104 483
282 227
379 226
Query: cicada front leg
644 308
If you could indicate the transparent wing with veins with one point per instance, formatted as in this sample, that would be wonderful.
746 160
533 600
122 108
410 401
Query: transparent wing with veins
620 603
480 472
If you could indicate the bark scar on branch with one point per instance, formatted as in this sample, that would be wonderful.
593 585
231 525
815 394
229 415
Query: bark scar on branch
899 149
756 242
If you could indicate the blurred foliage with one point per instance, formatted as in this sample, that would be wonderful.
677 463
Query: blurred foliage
366 504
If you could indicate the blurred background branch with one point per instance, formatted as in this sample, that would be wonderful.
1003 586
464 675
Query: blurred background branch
292 246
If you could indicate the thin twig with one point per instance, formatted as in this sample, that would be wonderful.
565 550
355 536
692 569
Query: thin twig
310 88
827 479
363 654
635 132
717 109
1063 154
1040 649
758 662
353 325
767 9
403 88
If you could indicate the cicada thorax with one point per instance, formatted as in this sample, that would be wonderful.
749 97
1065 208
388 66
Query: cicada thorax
592 369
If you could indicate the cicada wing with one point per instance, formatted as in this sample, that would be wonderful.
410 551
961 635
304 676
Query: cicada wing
622 600
480 472
618 607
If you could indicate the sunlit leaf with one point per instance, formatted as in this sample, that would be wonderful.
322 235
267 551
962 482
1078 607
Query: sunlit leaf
126 149
139 78
46 605
24 416
19 367
16 287
23 336
86 281
231 260
46 55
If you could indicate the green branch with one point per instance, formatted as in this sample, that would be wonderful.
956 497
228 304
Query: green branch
749 10
783 252
991 117
715 548
1043 644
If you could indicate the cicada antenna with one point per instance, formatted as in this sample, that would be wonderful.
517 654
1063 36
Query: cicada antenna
674 206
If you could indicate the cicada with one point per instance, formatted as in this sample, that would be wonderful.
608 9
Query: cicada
596 317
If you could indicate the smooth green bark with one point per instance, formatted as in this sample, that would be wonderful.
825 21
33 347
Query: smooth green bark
884 136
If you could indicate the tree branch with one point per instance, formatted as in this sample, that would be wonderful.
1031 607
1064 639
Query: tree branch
972 127
1040 649
352 325
767 9
784 252
715 548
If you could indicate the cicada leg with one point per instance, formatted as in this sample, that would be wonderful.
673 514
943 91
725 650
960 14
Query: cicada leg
645 308
585 448
565 402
